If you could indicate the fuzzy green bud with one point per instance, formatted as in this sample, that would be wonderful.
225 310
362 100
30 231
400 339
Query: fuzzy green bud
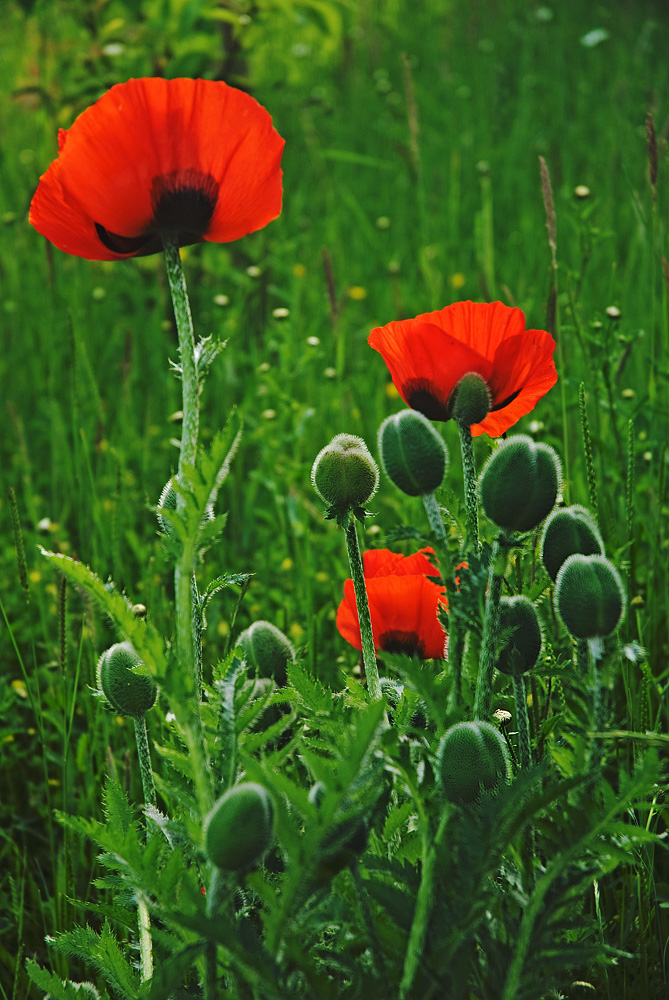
589 596
413 454
519 483
567 531
473 760
127 692
520 652
345 475
267 650
238 830
470 401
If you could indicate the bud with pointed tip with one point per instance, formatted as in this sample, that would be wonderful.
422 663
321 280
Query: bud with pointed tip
345 475
267 649
519 483
521 650
238 830
127 692
413 454
567 531
473 760
589 596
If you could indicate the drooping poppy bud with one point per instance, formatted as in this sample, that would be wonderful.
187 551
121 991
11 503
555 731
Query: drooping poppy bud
413 454
567 531
521 650
519 483
127 692
473 760
345 475
589 596
238 830
267 649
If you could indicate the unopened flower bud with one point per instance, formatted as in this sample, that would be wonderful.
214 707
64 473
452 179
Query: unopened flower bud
413 454
345 475
267 650
567 531
127 692
470 401
519 483
589 596
520 652
473 760
238 830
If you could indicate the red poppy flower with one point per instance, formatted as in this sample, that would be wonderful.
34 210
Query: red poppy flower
427 356
188 159
403 604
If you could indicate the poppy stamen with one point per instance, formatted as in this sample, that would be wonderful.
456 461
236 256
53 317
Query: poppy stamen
397 641
420 395
183 203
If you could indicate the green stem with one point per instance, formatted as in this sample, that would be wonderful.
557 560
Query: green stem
522 722
598 706
471 492
144 757
423 908
215 894
490 636
189 379
368 920
364 618
434 516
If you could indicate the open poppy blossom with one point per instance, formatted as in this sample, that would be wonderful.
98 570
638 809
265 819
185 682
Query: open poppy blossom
186 160
428 356
403 605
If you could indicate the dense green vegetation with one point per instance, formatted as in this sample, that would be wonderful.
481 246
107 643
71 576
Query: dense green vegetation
414 133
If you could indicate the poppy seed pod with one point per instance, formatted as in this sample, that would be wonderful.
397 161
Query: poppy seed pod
413 454
470 400
473 759
519 483
568 531
238 829
127 692
267 649
589 596
345 475
521 650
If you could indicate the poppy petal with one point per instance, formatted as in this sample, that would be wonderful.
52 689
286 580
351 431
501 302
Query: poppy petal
426 362
523 372
480 325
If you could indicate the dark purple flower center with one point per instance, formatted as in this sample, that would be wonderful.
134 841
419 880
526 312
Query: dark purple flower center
183 204
421 395
397 641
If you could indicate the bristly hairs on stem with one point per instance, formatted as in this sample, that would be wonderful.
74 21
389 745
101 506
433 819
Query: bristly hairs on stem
471 491
652 152
18 539
62 622
587 447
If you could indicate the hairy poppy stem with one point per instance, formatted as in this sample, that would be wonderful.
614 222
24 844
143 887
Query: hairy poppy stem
471 493
187 632
490 634
364 617
434 516
522 722
149 790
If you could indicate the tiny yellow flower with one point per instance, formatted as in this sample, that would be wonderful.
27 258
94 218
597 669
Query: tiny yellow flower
299 270
457 280
357 293
34 576
295 632
391 391
287 563
20 688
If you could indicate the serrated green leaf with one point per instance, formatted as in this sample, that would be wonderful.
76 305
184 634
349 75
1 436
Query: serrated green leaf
101 952
56 989
138 631
311 692
397 819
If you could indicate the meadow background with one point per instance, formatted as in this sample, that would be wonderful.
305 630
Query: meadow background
411 180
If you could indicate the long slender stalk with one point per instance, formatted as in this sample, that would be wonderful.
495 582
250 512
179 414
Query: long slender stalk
362 604
434 516
471 493
215 893
490 635
368 920
149 790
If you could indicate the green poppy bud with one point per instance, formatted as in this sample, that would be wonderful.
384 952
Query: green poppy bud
473 760
519 483
238 830
470 401
268 650
521 650
345 475
589 596
413 454
127 692
567 531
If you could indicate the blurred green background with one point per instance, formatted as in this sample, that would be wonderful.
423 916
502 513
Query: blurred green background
411 179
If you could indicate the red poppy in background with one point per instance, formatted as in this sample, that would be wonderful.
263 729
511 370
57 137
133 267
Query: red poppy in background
403 605
184 159
427 356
